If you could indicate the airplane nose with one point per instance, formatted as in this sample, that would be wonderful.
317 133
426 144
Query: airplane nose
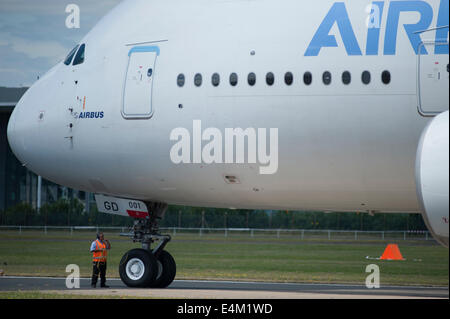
33 122
20 129
15 137
10 132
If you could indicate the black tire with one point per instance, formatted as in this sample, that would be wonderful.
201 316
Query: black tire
138 268
167 273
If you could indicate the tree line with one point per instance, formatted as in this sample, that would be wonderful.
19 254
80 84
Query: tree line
72 212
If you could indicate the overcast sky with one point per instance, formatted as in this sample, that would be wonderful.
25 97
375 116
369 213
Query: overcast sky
34 36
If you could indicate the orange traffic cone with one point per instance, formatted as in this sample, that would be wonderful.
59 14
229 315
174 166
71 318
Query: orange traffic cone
392 252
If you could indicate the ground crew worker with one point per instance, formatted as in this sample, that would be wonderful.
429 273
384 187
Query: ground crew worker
99 249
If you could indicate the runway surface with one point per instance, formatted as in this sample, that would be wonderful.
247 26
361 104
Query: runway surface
193 289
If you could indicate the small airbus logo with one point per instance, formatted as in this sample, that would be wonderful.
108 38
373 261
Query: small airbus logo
338 14
88 115
91 115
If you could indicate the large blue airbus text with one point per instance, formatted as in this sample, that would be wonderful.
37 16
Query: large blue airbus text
338 14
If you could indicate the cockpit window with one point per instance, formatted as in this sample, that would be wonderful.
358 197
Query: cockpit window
79 58
70 55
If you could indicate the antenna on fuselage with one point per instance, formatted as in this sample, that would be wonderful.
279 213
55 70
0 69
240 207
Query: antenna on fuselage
432 29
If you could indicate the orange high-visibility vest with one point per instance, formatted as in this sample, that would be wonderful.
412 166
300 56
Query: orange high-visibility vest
99 255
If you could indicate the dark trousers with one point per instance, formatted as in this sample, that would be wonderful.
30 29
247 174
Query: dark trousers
98 268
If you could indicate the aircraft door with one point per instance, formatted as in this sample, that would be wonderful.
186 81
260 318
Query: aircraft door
432 80
138 86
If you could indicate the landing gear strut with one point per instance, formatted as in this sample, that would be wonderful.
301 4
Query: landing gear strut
147 267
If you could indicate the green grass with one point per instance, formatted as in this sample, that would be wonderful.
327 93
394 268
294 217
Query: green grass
234 258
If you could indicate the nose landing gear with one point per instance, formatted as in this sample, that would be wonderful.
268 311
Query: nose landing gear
146 267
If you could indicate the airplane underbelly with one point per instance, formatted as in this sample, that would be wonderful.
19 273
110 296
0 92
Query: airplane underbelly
333 154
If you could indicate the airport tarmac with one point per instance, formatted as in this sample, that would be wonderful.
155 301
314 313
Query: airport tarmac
199 289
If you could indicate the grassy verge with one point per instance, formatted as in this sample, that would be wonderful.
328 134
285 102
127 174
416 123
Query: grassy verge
235 258
52 295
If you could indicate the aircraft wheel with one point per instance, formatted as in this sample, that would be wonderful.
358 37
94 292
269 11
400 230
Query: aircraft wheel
138 268
167 269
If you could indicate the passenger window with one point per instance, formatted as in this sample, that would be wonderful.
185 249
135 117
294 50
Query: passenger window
180 80
346 78
215 79
252 79
233 79
70 55
79 58
365 77
326 78
289 78
386 77
270 78
198 79
307 78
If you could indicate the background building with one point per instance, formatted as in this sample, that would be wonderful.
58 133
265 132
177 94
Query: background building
17 183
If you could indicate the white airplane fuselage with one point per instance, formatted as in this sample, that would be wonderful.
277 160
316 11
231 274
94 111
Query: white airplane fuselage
341 147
